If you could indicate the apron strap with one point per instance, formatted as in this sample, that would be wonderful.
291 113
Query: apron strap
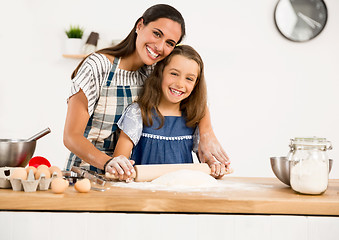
111 74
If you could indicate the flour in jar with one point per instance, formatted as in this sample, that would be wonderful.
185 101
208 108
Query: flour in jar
309 176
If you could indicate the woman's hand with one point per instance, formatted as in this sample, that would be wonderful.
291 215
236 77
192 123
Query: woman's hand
210 149
211 152
121 168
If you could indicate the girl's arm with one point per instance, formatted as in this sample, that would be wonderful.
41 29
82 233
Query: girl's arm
209 146
120 166
124 146
130 124
76 121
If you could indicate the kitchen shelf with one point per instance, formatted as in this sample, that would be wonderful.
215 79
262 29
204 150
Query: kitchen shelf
78 56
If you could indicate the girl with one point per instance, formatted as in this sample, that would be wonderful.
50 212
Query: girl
160 126
107 81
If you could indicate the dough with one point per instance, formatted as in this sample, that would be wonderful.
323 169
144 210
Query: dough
186 177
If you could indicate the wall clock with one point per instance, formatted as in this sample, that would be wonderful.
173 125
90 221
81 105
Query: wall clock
300 20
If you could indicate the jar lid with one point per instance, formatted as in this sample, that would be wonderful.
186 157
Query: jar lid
309 141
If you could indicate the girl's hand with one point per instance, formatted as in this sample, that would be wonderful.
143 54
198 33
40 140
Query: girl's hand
218 170
210 149
121 168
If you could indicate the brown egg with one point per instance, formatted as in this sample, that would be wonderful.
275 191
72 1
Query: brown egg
42 170
19 173
83 185
42 166
56 169
31 168
59 185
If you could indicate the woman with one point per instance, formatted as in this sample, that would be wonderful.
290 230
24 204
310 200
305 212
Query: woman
108 80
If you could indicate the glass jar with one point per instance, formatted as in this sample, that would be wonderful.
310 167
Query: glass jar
309 165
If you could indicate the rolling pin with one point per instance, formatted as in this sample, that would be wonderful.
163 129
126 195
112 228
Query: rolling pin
147 173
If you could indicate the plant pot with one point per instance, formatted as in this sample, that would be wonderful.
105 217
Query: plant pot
73 46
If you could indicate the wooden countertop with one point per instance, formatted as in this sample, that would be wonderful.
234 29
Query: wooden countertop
237 195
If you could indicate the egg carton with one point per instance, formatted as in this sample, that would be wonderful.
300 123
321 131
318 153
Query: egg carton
29 185
5 174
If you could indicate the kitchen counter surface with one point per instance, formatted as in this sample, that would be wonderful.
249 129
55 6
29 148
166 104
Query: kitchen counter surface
236 195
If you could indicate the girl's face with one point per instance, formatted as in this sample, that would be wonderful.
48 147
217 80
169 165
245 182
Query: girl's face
156 40
179 78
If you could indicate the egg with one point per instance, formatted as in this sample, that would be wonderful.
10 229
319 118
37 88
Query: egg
31 168
42 166
42 170
19 173
59 185
83 185
55 169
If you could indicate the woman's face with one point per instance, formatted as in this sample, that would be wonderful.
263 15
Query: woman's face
179 78
156 40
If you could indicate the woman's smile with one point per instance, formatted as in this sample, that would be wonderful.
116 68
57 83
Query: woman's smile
152 53
156 40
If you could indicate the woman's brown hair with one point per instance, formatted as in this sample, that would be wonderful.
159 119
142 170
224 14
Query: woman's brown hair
127 46
193 108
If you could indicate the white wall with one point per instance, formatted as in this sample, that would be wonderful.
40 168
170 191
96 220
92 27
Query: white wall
263 89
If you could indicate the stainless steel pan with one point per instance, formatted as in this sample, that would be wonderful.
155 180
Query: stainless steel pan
18 152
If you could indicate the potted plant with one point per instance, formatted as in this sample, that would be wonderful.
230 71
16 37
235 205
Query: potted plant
74 44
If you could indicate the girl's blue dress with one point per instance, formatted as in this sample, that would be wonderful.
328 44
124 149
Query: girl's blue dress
173 143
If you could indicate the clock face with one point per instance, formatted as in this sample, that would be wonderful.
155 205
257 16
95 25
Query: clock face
300 20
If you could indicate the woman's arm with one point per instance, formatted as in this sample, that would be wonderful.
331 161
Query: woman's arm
209 146
76 121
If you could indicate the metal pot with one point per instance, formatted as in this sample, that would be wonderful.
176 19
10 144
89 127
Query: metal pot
18 152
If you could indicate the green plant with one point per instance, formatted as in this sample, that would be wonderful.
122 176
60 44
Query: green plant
74 32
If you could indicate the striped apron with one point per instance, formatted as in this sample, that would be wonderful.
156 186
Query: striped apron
102 130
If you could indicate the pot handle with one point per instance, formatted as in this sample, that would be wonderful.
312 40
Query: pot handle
39 135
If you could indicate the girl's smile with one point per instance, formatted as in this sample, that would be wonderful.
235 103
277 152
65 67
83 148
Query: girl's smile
176 92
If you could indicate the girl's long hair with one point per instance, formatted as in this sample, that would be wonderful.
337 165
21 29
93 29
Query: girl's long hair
193 108
127 46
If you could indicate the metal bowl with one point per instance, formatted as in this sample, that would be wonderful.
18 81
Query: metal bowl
281 168
16 152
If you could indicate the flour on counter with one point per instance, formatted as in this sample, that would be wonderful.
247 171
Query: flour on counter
186 178
190 181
